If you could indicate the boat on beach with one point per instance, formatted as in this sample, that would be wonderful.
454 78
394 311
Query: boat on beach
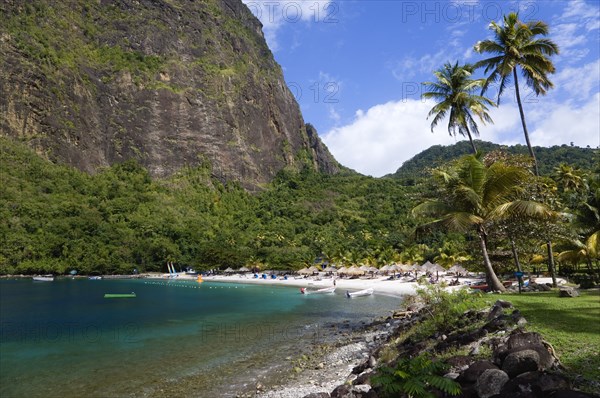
318 291
360 293
45 278
120 295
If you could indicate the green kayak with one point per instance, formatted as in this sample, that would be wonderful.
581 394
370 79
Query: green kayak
119 295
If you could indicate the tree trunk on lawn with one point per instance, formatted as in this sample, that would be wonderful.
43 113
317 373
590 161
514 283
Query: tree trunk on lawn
551 263
515 255
535 166
493 281
517 262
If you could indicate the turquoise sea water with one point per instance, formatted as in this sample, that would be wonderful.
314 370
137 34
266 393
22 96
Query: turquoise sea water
176 338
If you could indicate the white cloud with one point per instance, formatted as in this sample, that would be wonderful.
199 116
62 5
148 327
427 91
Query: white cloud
380 139
581 10
579 82
565 123
274 14
573 30
407 68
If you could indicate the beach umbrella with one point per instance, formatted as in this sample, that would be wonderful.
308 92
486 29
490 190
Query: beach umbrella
330 269
404 267
426 266
244 269
343 270
373 269
436 268
304 271
458 269
313 269
385 268
229 269
364 267
354 270
393 268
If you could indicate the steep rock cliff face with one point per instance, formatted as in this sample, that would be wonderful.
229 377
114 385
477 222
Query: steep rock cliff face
170 83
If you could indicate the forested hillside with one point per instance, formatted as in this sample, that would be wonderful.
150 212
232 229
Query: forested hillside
548 158
54 218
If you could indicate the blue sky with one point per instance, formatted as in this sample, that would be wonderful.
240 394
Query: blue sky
356 67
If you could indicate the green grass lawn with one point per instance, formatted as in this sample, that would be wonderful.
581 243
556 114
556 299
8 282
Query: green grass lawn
571 325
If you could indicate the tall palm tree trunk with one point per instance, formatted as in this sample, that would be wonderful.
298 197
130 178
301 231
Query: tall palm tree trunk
535 166
471 140
551 263
493 281
517 262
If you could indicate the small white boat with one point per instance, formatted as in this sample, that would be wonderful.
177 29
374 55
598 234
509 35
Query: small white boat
94 278
360 293
324 290
46 278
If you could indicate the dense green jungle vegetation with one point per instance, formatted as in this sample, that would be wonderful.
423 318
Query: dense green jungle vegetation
549 158
54 219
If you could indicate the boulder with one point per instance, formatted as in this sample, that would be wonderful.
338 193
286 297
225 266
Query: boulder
569 394
568 292
491 382
364 377
521 340
544 287
522 361
538 382
459 362
495 311
357 391
503 304
367 363
341 391
475 370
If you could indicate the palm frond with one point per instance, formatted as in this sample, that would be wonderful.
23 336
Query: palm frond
593 244
460 221
430 208
522 209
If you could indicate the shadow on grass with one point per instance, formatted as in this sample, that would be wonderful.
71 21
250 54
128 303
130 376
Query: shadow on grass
579 315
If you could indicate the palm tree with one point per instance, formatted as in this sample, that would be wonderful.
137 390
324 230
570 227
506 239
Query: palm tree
454 89
515 45
473 196
587 222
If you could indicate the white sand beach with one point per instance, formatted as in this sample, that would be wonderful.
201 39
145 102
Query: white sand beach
379 284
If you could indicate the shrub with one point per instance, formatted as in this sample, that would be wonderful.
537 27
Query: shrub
415 377
445 308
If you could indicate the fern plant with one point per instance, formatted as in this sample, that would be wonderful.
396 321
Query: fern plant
415 378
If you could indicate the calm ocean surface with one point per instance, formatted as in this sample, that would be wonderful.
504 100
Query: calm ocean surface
176 338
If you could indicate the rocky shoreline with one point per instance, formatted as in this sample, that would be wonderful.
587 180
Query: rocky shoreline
501 359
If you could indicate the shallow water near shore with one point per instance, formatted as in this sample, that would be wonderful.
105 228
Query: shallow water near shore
180 338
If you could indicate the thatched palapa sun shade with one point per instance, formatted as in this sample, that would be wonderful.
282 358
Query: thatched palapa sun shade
458 269
404 267
354 270
437 268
